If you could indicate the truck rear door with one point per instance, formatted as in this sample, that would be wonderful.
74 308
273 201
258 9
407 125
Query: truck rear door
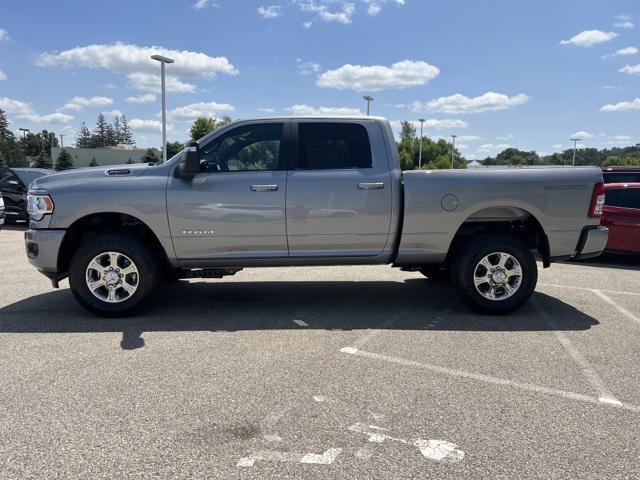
338 189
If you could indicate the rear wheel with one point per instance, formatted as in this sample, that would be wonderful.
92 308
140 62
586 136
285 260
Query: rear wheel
496 274
112 275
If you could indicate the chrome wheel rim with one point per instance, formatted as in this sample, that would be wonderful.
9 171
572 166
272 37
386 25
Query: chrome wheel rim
112 277
497 276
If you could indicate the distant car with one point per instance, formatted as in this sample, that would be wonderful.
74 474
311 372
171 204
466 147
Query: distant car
621 213
14 184
1 210
621 174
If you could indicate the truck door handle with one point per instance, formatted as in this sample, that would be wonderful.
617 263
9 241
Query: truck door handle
370 186
264 188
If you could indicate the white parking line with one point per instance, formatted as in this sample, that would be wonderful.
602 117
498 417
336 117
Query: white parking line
489 379
604 394
621 309
573 287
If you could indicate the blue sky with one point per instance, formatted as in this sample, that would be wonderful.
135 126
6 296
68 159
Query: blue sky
528 74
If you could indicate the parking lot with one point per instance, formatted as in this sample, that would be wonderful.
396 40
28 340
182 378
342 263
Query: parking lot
341 372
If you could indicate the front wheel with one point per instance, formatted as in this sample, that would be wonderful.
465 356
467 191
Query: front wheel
496 274
112 275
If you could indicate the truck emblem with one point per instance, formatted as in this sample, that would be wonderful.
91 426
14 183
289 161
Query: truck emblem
118 172
197 231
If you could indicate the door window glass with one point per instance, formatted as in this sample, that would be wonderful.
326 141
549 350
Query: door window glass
328 146
244 149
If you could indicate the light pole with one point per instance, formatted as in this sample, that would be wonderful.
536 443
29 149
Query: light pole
575 146
453 149
163 61
369 99
24 132
422 120
61 140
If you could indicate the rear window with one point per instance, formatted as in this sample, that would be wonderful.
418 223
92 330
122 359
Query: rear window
621 177
623 197
331 146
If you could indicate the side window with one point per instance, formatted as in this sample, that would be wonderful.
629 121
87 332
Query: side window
631 198
7 176
244 149
621 177
613 197
329 146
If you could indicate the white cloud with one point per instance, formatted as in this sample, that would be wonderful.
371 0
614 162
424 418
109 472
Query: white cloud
557 146
113 113
454 104
307 68
624 21
78 104
630 69
272 11
202 109
589 38
3 76
146 125
24 111
622 106
408 73
144 98
321 9
625 51
308 111
435 124
200 4
619 140
489 148
266 110
149 82
4 35
374 9
135 62
469 138
505 137
582 134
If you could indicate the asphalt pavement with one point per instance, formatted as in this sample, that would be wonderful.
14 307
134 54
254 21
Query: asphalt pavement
334 372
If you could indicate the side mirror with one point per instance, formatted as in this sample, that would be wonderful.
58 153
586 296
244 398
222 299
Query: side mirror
190 161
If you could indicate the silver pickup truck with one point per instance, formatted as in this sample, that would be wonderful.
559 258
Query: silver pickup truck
307 191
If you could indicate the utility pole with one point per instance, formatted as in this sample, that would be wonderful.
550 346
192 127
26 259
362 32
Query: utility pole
575 147
61 140
163 61
422 120
369 99
24 132
453 149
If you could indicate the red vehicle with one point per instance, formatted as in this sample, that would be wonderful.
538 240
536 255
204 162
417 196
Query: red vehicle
621 214
621 174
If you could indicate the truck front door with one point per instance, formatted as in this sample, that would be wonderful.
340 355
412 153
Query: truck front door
235 207
338 189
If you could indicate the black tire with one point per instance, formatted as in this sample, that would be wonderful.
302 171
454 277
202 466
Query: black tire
435 274
468 258
147 278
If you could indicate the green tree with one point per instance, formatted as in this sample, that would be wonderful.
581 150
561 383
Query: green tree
43 161
125 137
130 161
173 148
83 139
10 152
150 156
203 125
99 137
64 161
94 162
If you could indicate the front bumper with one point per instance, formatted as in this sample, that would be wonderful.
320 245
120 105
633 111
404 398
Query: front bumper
592 242
42 248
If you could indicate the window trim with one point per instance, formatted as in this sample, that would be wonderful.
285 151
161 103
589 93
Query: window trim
295 146
283 154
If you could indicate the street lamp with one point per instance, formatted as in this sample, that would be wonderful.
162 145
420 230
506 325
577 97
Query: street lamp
163 61
575 146
24 132
453 148
422 120
369 99
61 140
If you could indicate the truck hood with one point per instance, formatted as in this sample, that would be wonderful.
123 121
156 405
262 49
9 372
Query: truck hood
84 175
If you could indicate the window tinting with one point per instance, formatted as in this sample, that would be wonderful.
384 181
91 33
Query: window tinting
244 149
623 197
326 146
621 177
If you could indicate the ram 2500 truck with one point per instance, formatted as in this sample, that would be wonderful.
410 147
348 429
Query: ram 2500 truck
307 191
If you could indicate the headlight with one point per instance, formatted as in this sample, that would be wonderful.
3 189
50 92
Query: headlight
39 205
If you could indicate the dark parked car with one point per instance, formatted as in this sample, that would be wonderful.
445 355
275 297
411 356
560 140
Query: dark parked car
621 213
1 210
621 174
14 183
